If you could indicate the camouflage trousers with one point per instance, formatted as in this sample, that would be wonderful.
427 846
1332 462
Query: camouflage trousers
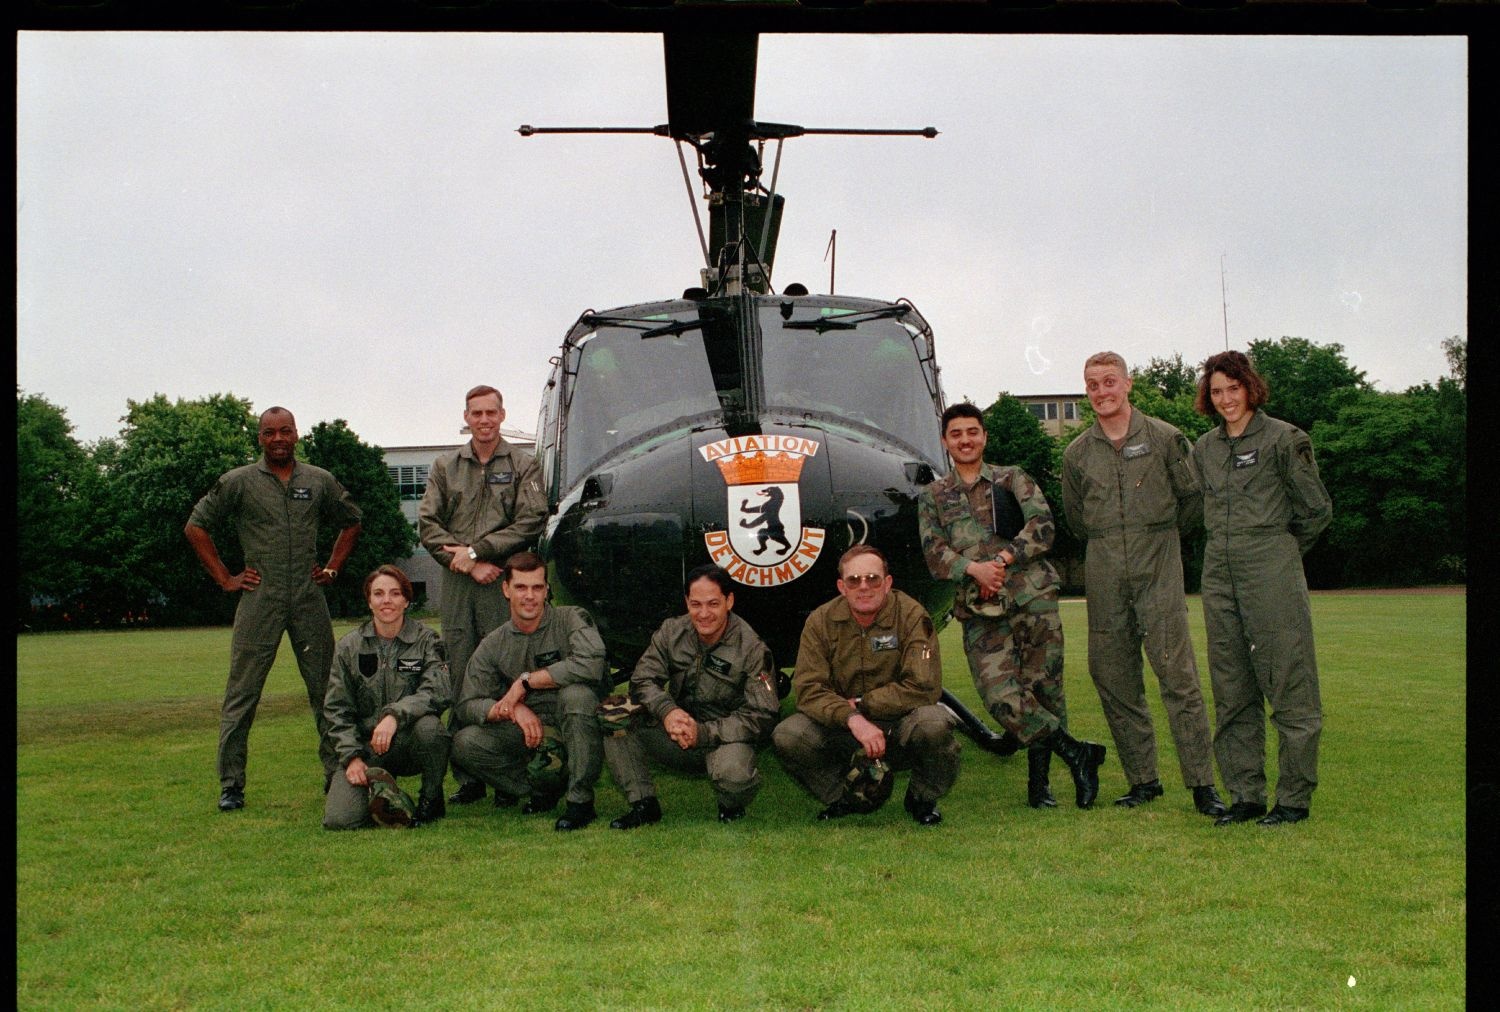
1017 665
419 749
817 757
730 767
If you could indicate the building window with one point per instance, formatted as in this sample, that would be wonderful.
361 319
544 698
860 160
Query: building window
1039 410
1051 411
410 479
1070 410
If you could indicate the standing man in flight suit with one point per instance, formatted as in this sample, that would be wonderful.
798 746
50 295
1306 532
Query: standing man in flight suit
1128 488
276 505
484 502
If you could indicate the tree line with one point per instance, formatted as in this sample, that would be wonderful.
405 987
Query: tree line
1394 463
100 526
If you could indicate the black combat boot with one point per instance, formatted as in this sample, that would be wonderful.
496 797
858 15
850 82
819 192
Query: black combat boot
1084 759
1038 790
430 810
576 815
642 813
1140 794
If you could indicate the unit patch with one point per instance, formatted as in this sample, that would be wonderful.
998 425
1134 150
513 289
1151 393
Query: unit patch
766 544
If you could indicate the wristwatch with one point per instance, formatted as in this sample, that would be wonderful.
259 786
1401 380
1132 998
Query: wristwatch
526 684
473 555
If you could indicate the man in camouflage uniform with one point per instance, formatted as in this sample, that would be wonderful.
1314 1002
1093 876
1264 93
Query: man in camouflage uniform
386 692
868 677
1128 488
1264 506
544 666
483 502
1007 600
706 684
275 505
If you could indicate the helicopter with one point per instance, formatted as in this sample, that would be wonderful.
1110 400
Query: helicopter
763 432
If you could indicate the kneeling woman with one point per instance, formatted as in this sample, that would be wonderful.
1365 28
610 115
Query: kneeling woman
388 684
1264 507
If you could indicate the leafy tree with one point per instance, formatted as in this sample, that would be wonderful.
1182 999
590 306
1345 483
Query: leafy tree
50 466
1309 382
1171 377
385 534
1457 350
169 455
1396 482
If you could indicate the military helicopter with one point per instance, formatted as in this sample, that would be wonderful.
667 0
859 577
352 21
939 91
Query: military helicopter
764 432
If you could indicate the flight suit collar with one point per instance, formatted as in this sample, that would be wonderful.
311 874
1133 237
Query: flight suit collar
1133 430
541 626
407 633
1256 423
298 467
466 451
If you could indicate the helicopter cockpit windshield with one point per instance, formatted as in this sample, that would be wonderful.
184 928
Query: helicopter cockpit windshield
626 385
632 380
866 372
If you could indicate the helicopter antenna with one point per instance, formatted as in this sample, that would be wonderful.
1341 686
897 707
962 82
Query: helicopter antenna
1224 297
833 251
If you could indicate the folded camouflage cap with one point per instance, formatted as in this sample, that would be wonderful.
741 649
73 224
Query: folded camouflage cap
548 765
995 606
390 806
615 714
867 784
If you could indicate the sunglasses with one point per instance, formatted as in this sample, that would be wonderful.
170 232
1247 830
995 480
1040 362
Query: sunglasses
863 579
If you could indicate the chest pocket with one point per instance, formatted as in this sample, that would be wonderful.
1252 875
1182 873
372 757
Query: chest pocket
716 682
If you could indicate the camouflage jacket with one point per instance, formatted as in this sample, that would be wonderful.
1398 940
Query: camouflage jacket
729 688
566 643
498 508
1147 483
1263 481
893 665
371 678
957 527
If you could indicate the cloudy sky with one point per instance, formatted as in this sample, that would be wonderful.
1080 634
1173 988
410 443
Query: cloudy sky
349 224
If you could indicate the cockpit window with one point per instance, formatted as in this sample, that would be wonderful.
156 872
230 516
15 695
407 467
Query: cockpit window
868 373
627 385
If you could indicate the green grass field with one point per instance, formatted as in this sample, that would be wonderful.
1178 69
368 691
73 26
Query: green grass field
133 891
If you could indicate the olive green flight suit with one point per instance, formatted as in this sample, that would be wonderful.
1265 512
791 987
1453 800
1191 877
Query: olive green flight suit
894 669
1264 506
1015 659
728 688
277 526
1129 505
498 508
568 645
372 678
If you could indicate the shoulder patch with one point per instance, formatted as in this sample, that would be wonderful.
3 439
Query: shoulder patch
1304 453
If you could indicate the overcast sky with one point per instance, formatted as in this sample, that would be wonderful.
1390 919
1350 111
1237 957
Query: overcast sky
349 225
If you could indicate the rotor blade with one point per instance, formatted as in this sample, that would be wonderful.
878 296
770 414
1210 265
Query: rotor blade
710 81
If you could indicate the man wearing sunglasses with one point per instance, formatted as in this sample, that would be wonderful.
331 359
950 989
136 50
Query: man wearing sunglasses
868 677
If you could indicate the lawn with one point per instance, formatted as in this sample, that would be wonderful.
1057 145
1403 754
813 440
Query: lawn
134 891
